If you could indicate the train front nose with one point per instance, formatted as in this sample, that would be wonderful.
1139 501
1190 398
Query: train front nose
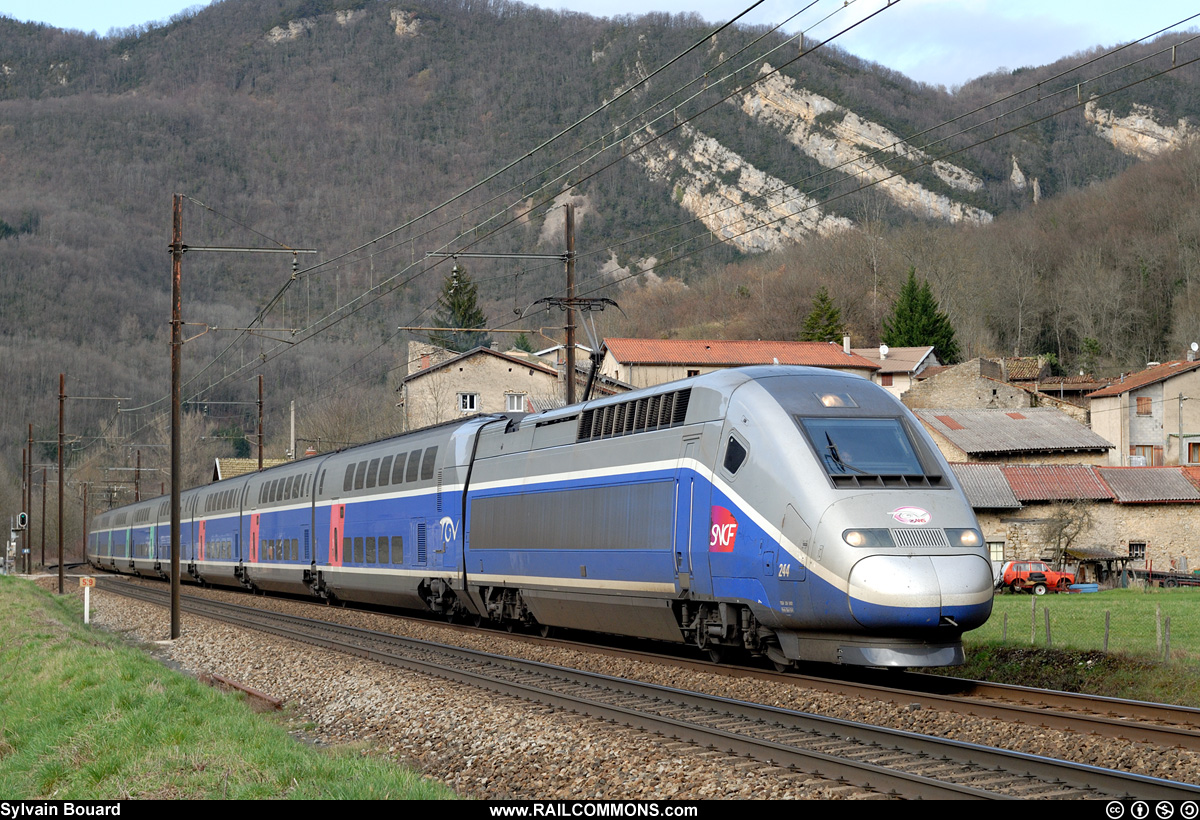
890 591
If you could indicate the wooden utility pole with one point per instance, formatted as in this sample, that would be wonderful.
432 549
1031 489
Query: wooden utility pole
43 517
62 400
176 365
570 300
29 499
24 560
260 432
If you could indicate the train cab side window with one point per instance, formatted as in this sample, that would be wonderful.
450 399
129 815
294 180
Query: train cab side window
348 484
398 469
414 466
735 455
428 463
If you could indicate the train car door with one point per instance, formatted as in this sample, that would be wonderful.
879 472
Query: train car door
337 531
253 551
200 541
690 496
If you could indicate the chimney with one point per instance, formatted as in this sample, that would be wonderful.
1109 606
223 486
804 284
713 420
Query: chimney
846 345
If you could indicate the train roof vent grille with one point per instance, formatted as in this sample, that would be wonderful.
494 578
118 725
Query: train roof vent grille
643 415
899 481
921 538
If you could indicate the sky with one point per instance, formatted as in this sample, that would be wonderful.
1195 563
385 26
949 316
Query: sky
941 42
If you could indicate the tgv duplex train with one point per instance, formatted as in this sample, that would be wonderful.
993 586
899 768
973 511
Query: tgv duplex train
798 513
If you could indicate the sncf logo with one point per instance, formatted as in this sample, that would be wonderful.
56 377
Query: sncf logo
724 530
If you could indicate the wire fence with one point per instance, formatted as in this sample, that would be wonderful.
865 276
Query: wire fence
1158 623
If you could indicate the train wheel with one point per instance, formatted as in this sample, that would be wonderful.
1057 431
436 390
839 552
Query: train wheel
545 631
716 654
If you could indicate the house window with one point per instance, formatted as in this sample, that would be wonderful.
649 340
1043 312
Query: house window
468 402
514 402
1137 550
693 373
1193 452
1150 455
885 379
996 550
1144 406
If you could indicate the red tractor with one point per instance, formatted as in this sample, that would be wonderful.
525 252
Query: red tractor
1035 577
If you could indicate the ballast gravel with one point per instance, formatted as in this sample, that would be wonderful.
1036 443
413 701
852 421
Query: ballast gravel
491 746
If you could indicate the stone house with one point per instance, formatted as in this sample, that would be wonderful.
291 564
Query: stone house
647 362
484 381
1031 435
898 366
1145 516
1153 416
981 383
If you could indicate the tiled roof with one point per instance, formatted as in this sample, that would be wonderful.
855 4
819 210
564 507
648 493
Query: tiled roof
1144 377
1148 484
232 467
985 486
1023 368
1032 429
899 359
933 371
733 353
1055 482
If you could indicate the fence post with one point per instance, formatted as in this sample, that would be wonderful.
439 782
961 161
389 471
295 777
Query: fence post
1033 621
1158 627
1004 634
1167 642
1046 612
1107 618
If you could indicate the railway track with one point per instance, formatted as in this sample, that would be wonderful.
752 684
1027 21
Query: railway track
888 761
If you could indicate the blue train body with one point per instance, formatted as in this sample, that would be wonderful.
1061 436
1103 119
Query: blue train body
796 513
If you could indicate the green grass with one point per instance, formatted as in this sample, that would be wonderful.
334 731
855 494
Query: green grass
84 716
1135 665
1137 622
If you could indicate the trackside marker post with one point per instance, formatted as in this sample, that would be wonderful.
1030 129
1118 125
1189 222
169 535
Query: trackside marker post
87 584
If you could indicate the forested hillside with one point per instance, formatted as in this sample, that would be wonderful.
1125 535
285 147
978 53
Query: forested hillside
713 198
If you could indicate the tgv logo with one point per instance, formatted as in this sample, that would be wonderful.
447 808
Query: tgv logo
723 534
449 529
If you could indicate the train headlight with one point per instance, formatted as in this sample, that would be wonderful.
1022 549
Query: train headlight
868 538
964 538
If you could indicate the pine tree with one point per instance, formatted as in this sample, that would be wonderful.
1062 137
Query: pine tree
916 321
458 307
824 322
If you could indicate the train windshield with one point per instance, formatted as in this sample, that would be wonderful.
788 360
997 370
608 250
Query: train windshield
862 446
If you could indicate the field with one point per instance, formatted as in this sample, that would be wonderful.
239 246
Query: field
86 717
1139 622
1143 625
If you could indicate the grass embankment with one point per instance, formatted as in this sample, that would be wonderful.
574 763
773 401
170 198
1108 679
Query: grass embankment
86 717
1075 660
